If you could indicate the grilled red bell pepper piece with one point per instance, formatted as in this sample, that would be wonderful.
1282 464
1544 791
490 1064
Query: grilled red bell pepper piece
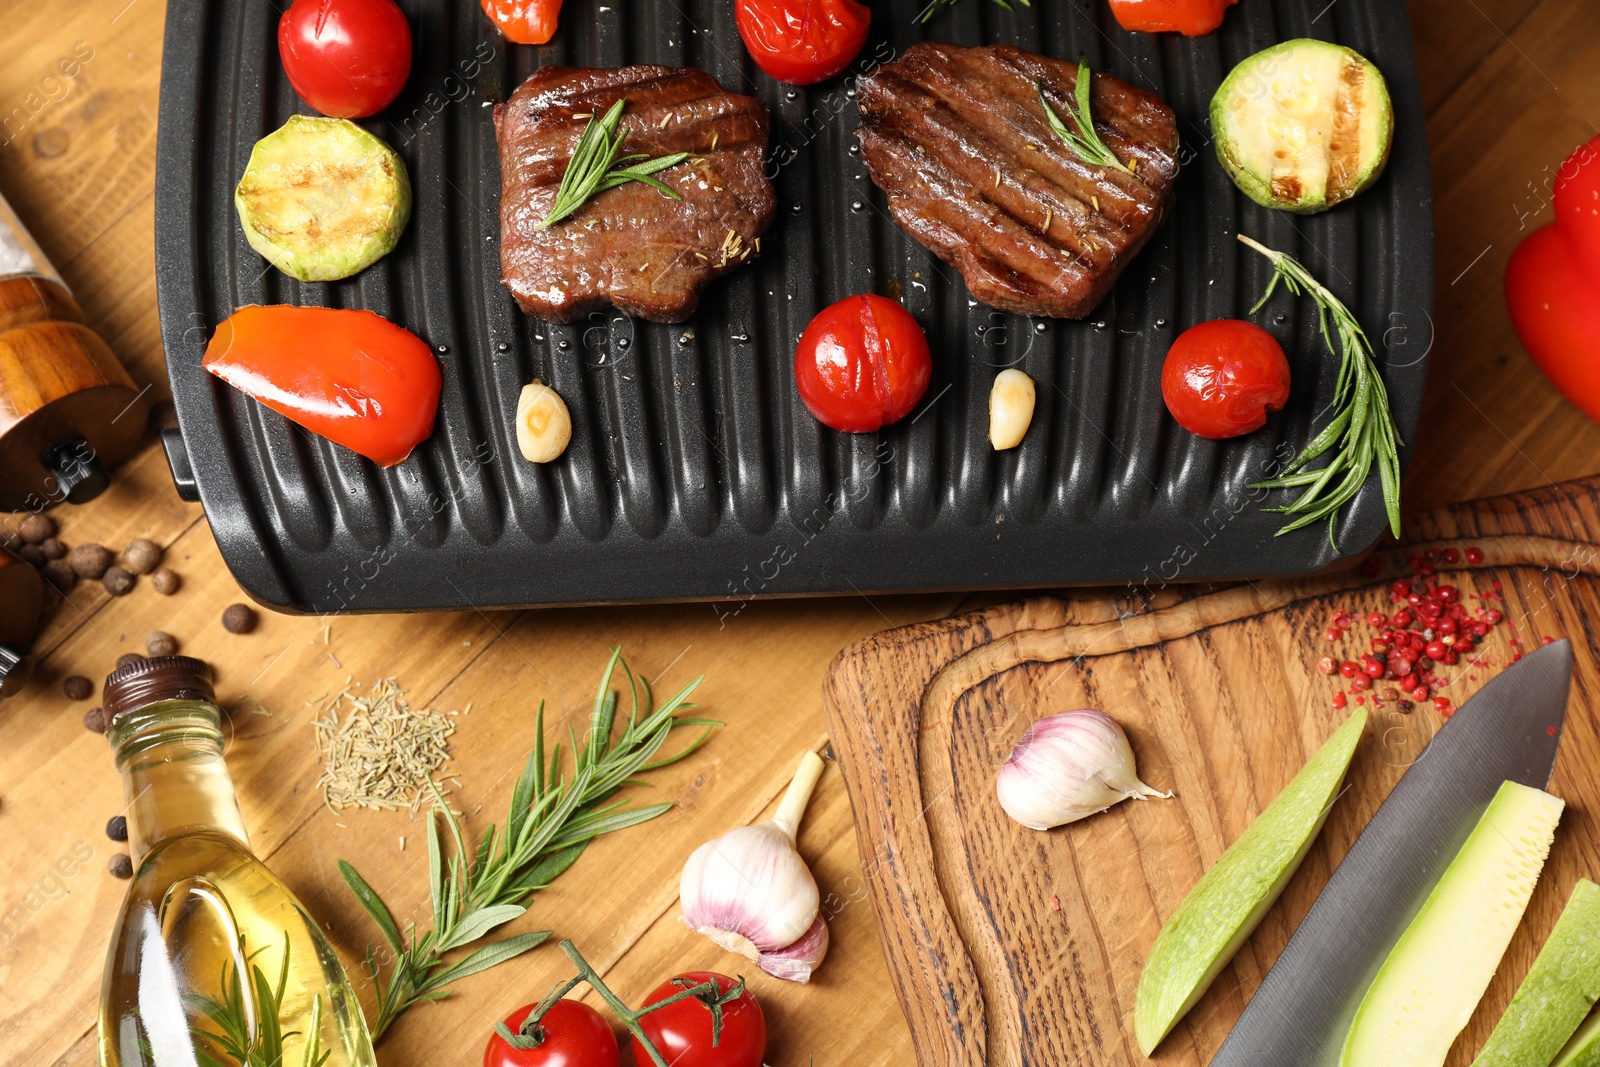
352 376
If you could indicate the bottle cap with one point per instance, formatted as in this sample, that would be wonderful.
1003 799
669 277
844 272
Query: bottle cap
149 681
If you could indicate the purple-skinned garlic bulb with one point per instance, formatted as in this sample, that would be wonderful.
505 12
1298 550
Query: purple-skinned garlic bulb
1067 767
751 893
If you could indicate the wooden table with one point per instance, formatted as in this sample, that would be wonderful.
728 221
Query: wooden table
1511 86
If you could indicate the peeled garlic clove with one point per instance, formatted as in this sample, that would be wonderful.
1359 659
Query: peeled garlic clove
1067 767
1010 409
752 893
544 425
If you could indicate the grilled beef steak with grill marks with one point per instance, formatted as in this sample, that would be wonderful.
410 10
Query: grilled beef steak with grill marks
631 246
959 141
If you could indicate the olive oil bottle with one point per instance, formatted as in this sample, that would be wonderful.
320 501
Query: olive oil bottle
214 963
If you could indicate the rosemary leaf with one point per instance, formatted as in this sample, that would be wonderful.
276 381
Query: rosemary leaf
1085 144
553 817
1362 431
594 166
938 5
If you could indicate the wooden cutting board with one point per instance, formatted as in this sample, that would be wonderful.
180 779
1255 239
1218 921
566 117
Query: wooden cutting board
1011 947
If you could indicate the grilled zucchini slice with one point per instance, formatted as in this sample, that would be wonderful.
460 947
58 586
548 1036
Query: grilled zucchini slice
322 198
1303 125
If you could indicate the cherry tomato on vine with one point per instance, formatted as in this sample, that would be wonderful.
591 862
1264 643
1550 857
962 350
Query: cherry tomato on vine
803 41
682 1031
862 363
524 21
346 58
1222 377
573 1035
1192 18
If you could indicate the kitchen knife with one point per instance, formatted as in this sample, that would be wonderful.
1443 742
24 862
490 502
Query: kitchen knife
1510 729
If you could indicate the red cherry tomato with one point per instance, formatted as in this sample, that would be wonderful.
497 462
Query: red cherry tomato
1222 377
682 1032
862 363
346 58
803 41
574 1035
1553 284
524 21
1192 18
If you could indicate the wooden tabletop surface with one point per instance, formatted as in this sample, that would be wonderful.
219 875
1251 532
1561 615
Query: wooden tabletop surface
1511 86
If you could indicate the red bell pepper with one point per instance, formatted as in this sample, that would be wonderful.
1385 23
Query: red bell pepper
352 376
1553 284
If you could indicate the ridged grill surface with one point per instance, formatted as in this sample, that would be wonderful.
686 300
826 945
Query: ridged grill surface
694 470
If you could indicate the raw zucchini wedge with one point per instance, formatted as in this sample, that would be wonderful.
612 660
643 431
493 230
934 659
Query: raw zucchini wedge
1303 125
1558 992
1232 898
322 198
1438 970
1584 1048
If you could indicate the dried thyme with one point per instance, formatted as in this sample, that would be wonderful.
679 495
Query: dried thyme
383 754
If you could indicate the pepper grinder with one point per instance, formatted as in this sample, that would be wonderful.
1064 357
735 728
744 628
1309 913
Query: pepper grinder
68 409
21 600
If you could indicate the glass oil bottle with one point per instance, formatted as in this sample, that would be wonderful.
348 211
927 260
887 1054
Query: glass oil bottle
214 963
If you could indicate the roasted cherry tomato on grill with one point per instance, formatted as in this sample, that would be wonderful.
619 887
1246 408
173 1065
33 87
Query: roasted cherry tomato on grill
346 58
571 1034
803 41
1553 284
682 1032
1192 18
862 363
524 21
1222 377
352 376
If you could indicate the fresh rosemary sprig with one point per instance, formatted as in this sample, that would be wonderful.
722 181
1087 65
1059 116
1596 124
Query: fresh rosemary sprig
1363 427
936 5
1086 144
551 821
594 167
252 1037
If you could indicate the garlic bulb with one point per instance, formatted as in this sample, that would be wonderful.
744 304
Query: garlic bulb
1068 767
751 893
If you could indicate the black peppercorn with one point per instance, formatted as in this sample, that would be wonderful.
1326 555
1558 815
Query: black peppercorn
117 828
120 866
239 619
160 644
141 556
77 687
165 581
37 528
128 659
90 561
95 719
117 581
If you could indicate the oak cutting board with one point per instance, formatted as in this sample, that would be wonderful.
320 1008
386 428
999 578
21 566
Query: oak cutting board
1012 947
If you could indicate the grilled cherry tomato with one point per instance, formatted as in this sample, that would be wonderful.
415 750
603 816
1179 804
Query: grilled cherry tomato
1222 377
346 58
571 1034
862 363
682 1031
1192 18
354 377
524 21
1553 284
803 41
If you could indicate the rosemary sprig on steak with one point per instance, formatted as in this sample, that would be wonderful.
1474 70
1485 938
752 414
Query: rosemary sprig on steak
1362 429
1086 144
594 167
936 5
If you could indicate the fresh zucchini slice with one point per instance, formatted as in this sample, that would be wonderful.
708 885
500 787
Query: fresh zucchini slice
1438 971
1303 125
322 198
1584 1048
1558 992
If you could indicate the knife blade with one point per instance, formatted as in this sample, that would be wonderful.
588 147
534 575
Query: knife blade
1510 729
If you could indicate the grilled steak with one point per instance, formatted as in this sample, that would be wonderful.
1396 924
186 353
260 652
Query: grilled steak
958 140
630 246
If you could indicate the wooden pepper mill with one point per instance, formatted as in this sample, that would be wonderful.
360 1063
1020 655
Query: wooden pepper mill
68 410
21 600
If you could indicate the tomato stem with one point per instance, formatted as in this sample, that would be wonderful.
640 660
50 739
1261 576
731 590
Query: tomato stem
708 993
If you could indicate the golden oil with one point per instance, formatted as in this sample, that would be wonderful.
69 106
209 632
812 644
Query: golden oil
214 963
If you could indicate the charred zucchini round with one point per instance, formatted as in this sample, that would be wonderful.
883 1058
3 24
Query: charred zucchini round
322 198
1303 125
